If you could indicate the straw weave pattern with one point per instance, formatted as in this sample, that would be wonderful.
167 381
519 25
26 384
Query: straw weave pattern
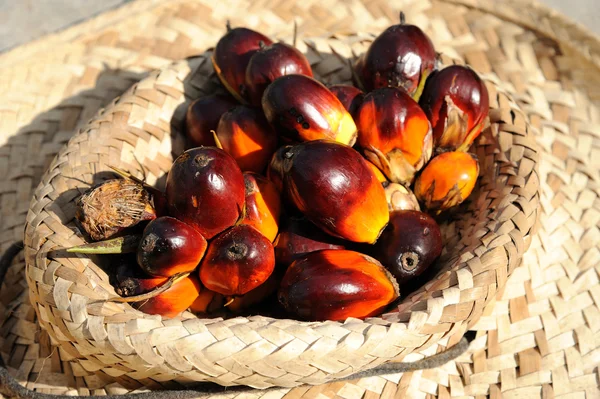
537 72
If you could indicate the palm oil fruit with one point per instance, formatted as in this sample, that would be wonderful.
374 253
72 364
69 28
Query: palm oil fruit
113 206
378 173
237 261
409 245
130 280
263 205
456 102
300 237
271 62
302 109
349 96
275 168
335 285
333 186
447 180
207 302
400 198
394 133
232 55
174 300
242 303
402 56
244 133
169 246
205 189
357 67
202 118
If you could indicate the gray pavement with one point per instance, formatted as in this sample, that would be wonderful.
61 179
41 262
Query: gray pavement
24 20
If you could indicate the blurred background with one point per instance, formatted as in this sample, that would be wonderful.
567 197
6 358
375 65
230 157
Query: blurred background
24 20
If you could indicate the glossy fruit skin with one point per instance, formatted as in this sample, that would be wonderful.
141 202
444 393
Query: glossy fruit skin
302 109
245 134
173 301
205 189
378 173
333 186
270 63
275 169
300 237
257 295
409 245
203 117
130 280
207 302
263 205
350 97
232 55
401 56
400 198
447 180
237 261
336 284
394 133
357 70
456 101
169 246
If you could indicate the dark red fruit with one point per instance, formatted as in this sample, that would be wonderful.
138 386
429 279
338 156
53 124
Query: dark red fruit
334 187
245 134
174 300
205 189
169 246
394 133
302 109
402 56
409 245
263 205
130 280
247 301
232 55
271 62
456 102
299 238
275 168
237 261
202 118
335 285
350 96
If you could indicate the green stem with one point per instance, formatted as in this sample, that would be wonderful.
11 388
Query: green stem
119 245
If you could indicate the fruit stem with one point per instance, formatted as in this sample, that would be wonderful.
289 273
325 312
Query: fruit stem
228 25
119 245
402 18
151 294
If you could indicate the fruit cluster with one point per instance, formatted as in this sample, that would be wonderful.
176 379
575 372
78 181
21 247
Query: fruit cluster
292 187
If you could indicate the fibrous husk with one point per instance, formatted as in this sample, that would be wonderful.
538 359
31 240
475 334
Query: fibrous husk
108 208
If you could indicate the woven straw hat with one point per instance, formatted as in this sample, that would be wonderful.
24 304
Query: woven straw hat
475 54
140 132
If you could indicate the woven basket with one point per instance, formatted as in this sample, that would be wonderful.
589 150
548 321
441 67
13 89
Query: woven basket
142 128
538 338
